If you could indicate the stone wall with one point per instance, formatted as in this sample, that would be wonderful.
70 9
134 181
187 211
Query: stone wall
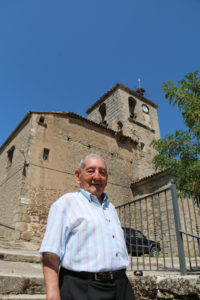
114 110
143 128
69 139
166 287
11 181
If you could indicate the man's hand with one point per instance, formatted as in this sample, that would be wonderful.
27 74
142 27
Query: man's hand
51 263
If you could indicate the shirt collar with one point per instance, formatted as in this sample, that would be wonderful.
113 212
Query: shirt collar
91 197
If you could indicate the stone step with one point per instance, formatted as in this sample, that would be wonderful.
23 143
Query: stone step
21 278
20 268
19 245
22 297
20 255
18 284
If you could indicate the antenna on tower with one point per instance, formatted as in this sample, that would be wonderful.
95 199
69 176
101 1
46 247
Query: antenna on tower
139 83
140 90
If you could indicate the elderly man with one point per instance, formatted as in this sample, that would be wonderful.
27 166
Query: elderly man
84 252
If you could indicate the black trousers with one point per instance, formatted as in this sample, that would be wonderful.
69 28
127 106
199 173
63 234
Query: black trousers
75 288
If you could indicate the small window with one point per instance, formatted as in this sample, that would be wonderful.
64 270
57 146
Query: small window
46 154
102 110
132 104
10 154
41 120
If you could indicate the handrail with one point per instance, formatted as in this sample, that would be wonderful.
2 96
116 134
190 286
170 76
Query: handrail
192 235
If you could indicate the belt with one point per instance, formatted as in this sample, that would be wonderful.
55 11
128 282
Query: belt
99 276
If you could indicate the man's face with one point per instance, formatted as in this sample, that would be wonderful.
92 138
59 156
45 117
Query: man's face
93 176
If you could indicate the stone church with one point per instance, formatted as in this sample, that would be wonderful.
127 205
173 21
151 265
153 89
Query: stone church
38 159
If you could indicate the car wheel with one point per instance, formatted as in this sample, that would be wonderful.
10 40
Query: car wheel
154 252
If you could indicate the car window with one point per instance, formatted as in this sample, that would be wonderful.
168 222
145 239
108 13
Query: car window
140 235
129 232
132 233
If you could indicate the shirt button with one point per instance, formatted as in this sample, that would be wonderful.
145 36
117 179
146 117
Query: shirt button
113 236
116 254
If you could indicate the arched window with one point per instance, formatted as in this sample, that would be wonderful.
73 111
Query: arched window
41 121
102 110
10 154
132 104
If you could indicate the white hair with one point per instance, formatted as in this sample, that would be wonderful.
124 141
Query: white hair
82 162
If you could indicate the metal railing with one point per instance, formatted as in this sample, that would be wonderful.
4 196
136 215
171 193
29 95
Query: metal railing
162 231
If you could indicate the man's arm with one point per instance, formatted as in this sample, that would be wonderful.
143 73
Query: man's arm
51 263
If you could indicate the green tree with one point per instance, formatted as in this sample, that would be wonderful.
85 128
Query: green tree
180 151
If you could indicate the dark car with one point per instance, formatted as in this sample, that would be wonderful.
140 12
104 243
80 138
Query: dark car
138 244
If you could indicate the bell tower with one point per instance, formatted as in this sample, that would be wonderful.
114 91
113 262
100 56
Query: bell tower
132 114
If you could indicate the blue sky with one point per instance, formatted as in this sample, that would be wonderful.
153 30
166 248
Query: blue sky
63 55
